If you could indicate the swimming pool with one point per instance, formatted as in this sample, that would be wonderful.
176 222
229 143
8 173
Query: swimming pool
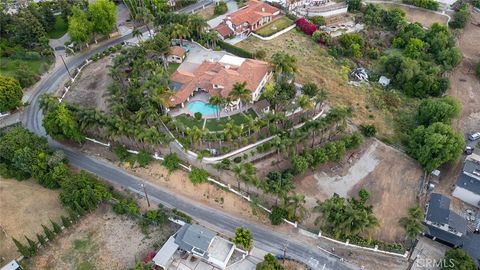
201 107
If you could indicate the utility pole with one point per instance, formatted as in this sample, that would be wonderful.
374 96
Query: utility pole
145 191
61 56
285 247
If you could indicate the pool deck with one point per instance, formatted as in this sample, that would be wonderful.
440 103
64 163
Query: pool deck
204 97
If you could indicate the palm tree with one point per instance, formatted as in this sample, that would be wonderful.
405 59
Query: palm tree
216 101
146 16
212 39
241 93
198 25
320 98
284 65
181 32
136 33
237 170
305 102
294 205
413 222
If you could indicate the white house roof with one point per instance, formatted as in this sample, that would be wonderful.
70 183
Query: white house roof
13 265
231 60
164 255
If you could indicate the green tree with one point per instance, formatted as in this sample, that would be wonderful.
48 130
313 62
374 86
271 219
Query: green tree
79 27
27 29
354 5
435 145
10 94
66 222
458 259
32 246
61 124
415 48
300 164
438 110
243 238
277 215
103 15
83 192
144 158
56 228
220 8
461 17
310 89
121 152
24 250
285 65
198 176
181 32
241 93
295 207
48 233
413 222
171 162
41 239
269 263
368 130
216 101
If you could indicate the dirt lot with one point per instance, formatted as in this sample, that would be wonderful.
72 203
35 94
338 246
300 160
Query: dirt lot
101 240
425 17
28 204
391 177
207 13
315 65
90 87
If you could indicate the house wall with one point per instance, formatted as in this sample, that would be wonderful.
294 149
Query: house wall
258 91
466 196
174 59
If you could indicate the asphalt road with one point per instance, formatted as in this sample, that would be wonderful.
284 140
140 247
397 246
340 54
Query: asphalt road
265 238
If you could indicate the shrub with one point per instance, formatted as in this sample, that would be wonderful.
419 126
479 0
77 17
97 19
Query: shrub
306 26
235 50
368 130
237 159
198 176
171 162
318 20
144 158
322 37
461 17
198 116
221 8
428 4
41 239
48 233
56 228
121 152
126 206
277 215
182 216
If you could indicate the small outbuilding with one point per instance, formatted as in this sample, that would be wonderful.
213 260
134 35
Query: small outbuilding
176 55
384 81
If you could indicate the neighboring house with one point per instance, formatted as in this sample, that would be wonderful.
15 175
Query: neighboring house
176 54
13 265
218 77
442 223
200 242
249 18
467 187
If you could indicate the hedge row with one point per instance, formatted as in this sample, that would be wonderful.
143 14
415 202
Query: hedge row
235 50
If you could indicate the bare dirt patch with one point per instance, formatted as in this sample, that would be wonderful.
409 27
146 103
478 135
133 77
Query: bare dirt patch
391 177
26 203
464 85
424 17
91 85
207 13
101 240
315 65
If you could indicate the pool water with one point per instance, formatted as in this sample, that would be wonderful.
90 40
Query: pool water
201 107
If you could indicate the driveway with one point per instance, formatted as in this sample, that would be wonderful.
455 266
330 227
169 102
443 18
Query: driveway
232 7
197 55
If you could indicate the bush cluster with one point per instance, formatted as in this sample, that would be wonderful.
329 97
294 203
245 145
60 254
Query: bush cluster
306 26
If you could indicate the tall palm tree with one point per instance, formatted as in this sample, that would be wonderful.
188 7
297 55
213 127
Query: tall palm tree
284 65
241 93
181 32
212 39
294 205
413 222
320 98
198 25
216 101
237 170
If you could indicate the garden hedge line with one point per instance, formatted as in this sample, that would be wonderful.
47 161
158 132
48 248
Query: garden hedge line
235 50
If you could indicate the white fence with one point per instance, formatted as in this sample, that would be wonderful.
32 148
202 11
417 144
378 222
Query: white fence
279 33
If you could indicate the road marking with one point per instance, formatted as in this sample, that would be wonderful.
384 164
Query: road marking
314 262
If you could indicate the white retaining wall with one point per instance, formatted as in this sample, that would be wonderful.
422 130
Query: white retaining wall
279 33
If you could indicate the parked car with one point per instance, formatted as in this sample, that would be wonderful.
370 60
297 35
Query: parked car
468 150
474 136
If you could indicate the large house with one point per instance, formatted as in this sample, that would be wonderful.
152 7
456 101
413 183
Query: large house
249 18
467 187
217 78
198 242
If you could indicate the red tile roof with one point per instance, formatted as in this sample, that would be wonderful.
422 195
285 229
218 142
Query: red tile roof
224 30
252 12
209 74
177 50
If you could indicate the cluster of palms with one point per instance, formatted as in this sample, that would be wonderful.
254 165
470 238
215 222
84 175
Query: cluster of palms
346 217
413 222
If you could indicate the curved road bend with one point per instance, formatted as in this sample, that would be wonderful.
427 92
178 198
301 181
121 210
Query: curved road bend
265 238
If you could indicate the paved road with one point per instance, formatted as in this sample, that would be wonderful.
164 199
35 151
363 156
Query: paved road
265 238
194 7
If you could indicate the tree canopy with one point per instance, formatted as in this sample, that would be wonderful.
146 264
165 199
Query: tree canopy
243 238
10 94
79 27
438 110
269 263
60 123
458 259
103 15
435 145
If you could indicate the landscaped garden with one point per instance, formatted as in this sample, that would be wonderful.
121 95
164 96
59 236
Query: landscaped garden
274 27
215 124
59 29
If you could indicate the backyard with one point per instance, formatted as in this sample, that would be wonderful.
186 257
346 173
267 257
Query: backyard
274 27
26 203
101 240
214 124
425 17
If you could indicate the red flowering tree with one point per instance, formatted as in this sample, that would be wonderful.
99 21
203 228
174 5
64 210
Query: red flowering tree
306 26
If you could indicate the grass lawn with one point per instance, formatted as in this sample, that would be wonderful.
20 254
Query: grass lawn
60 28
214 124
274 27
172 67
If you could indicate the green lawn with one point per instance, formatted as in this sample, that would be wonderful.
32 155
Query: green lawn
214 124
60 28
172 67
27 69
274 27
